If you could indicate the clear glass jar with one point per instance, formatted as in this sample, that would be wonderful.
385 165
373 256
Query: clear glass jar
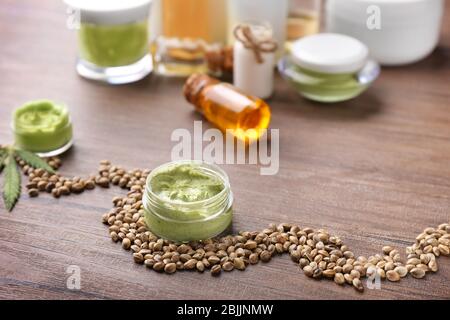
329 67
325 87
303 18
43 127
113 40
184 221
183 31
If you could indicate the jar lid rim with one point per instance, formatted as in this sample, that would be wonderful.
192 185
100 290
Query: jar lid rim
111 12
106 6
330 53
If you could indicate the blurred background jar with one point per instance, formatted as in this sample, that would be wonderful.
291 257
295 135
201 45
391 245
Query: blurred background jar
183 31
267 11
397 32
303 19
113 39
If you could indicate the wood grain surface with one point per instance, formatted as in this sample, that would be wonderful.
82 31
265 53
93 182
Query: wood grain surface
374 170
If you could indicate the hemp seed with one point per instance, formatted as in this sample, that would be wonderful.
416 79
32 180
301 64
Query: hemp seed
319 254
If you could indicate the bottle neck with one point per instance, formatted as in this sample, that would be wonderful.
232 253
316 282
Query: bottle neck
195 85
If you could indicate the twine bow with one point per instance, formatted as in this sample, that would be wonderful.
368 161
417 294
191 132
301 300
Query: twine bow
244 34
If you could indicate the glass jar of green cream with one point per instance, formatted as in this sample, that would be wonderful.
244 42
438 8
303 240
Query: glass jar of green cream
42 127
188 201
113 39
329 67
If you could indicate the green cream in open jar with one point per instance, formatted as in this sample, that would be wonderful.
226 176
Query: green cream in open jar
113 39
113 45
329 67
188 201
43 127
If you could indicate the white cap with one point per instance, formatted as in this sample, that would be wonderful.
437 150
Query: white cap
111 11
330 53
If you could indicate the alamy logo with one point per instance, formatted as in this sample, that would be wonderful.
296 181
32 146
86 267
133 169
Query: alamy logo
73 18
74 280
264 152
374 19
373 278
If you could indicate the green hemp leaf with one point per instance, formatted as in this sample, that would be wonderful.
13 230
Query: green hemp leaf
11 184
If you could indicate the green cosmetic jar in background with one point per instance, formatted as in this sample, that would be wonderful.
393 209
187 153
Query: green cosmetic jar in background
329 67
113 39
42 127
188 201
113 46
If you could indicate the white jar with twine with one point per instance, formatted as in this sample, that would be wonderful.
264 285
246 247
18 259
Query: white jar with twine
254 59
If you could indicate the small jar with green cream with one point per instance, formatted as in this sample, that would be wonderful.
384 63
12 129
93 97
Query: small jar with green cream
188 201
113 39
329 67
42 127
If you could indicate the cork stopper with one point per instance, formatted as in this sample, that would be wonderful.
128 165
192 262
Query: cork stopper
195 84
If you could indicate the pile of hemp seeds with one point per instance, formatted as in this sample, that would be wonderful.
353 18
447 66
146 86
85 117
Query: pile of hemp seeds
319 254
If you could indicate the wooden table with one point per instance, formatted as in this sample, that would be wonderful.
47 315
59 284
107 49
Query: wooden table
374 170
